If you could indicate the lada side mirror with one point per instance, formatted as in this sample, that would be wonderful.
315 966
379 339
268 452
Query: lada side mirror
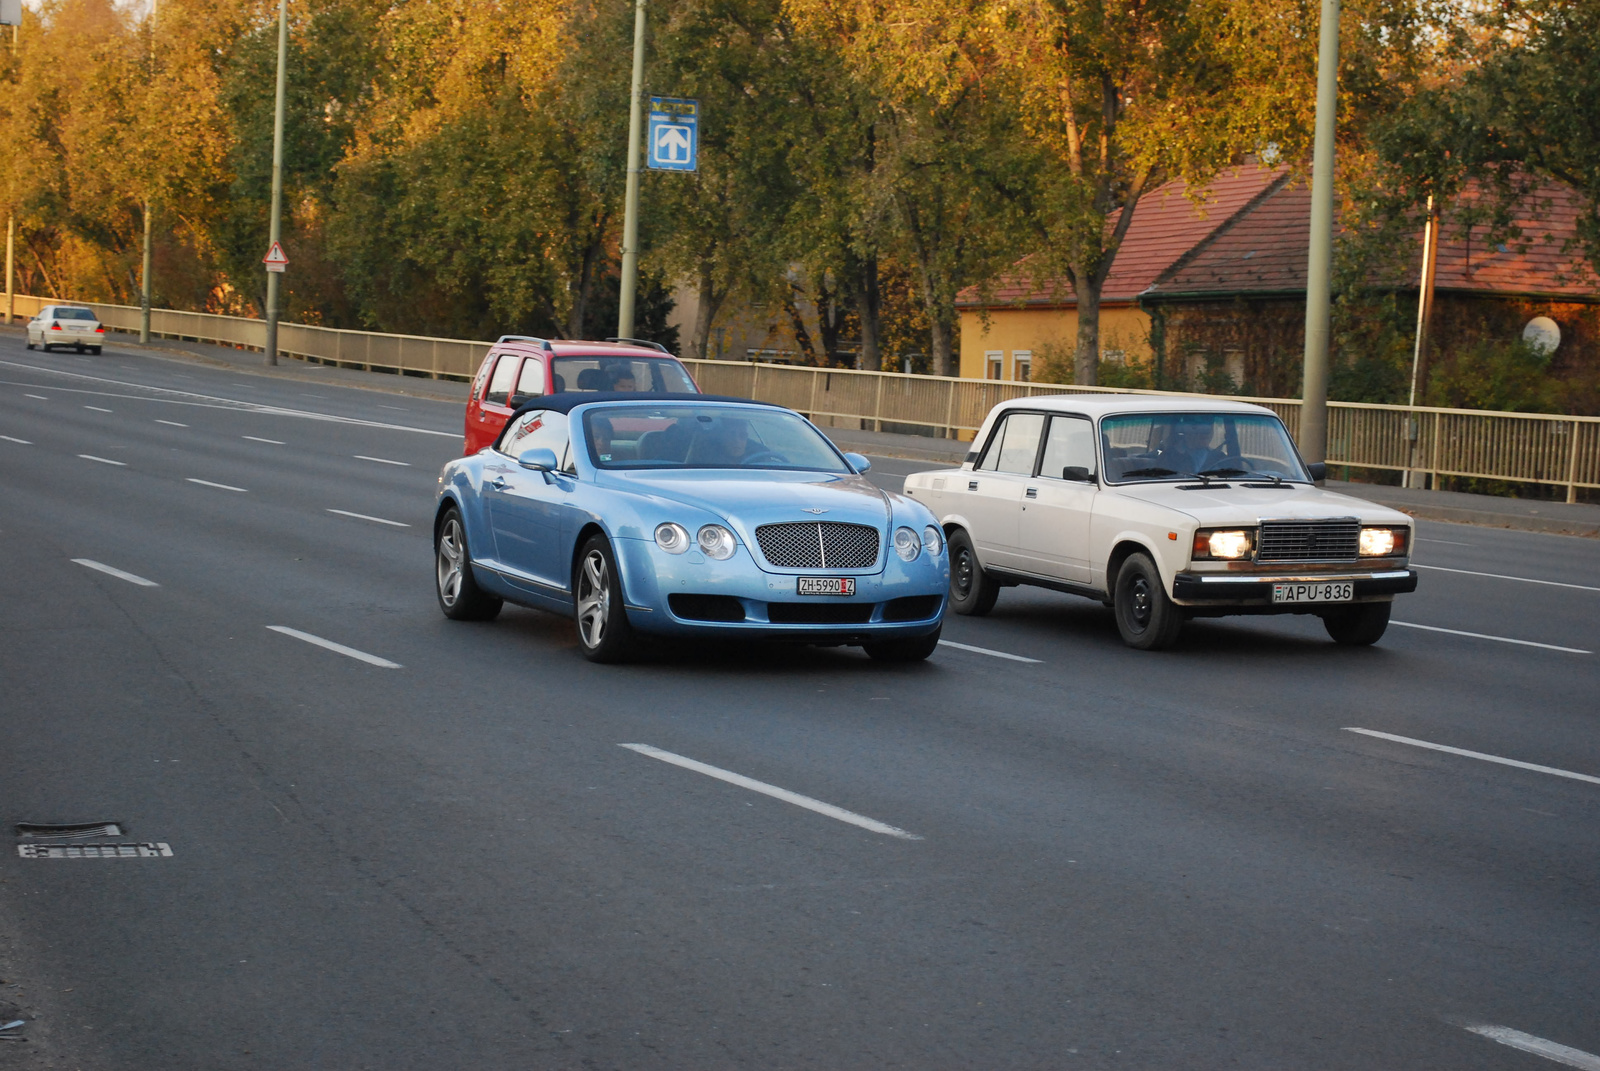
858 462
1078 473
538 458
1318 470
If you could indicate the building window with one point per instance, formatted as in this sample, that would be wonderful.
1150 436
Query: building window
995 360
1021 365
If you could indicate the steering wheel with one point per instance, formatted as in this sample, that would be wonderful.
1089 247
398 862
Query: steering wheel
764 455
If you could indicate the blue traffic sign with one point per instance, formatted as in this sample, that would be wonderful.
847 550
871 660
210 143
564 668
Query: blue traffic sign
674 134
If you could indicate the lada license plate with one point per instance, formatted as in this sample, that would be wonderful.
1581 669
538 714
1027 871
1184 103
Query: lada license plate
1324 591
827 585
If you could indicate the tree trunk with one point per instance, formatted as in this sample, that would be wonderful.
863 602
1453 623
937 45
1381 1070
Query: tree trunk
869 307
943 331
580 292
1086 362
705 312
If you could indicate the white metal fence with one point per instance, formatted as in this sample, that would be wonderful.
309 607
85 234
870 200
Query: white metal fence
1562 451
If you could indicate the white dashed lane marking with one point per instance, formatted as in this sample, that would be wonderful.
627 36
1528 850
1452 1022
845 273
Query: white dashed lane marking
991 654
104 460
381 460
1550 1050
336 648
97 409
41 397
774 791
101 567
258 439
218 486
19 442
364 517
171 423
1486 636
1535 767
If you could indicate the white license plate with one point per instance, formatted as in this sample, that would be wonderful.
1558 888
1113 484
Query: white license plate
1323 591
827 585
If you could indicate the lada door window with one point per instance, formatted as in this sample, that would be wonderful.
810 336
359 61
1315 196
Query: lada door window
995 487
1058 503
526 507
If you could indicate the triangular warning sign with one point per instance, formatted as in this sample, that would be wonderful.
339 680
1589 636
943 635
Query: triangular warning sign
275 260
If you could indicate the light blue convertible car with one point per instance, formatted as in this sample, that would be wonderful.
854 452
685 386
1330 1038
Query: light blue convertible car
684 515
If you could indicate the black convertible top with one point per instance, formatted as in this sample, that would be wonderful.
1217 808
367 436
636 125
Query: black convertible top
567 401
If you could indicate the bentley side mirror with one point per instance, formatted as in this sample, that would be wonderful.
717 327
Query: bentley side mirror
1318 470
538 458
858 462
1078 473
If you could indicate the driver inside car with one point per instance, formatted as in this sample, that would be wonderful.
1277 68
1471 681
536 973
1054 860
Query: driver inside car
1189 448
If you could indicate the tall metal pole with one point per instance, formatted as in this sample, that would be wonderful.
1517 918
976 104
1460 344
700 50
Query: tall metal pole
277 180
1419 369
1319 268
144 273
630 213
11 216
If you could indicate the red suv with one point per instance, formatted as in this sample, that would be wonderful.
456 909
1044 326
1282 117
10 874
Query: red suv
519 367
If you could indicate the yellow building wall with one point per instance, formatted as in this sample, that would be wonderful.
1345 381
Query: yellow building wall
1011 331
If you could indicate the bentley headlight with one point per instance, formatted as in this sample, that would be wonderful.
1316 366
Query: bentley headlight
1382 542
672 538
932 539
906 544
717 542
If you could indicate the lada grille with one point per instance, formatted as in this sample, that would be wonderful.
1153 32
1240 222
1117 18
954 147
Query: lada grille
1323 541
819 545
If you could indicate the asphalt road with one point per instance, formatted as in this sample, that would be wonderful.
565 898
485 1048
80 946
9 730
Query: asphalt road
1120 859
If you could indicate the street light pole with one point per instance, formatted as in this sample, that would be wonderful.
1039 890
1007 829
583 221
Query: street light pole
630 213
11 213
144 272
1319 267
277 180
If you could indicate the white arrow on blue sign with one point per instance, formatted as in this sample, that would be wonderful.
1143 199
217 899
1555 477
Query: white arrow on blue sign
674 134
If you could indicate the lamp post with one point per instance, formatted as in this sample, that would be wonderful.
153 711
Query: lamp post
144 271
1319 266
630 211
11 212
277 181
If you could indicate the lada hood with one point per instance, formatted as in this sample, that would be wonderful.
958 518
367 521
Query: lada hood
747 498
1236 504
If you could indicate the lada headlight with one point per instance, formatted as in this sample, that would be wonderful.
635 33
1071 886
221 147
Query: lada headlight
1225 544
1382 542
906 544
672 538
932 539
717 542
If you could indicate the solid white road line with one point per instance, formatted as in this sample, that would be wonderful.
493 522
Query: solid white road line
1550 1050
1535 767
258 439
1497 639
337 648
396 408
364 517
1502 576
985 650
41 397
118 573
381 460
774 791
97 409
171 423
218 486
19 442
104 460
1447 542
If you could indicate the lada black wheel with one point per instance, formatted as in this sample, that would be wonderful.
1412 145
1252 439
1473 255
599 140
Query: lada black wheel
972 591
1146 617
1358 625
915 649
604 634
459 595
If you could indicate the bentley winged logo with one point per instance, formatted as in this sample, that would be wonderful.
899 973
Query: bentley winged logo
813 510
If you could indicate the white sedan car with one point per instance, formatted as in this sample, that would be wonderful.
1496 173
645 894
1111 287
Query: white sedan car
66 325
1164 509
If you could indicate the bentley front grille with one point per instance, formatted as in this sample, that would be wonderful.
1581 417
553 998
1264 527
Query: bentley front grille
1322 541
819 545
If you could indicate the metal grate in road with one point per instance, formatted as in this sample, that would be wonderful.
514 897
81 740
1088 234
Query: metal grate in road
819 545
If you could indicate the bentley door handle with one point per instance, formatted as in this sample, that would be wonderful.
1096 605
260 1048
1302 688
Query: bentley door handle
498 483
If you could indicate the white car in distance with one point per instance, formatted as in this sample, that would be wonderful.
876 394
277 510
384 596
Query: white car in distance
1164 509
66 325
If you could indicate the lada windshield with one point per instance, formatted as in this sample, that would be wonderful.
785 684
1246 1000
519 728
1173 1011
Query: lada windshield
1173 446
659 375
706 437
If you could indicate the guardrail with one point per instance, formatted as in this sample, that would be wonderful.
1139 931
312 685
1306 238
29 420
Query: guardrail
1561 451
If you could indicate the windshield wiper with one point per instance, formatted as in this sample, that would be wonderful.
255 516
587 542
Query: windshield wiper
1156 471
1223 472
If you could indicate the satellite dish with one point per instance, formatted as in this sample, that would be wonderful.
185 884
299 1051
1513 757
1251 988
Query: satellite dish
1543 334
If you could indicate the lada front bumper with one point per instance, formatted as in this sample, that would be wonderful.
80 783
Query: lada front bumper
1235 593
